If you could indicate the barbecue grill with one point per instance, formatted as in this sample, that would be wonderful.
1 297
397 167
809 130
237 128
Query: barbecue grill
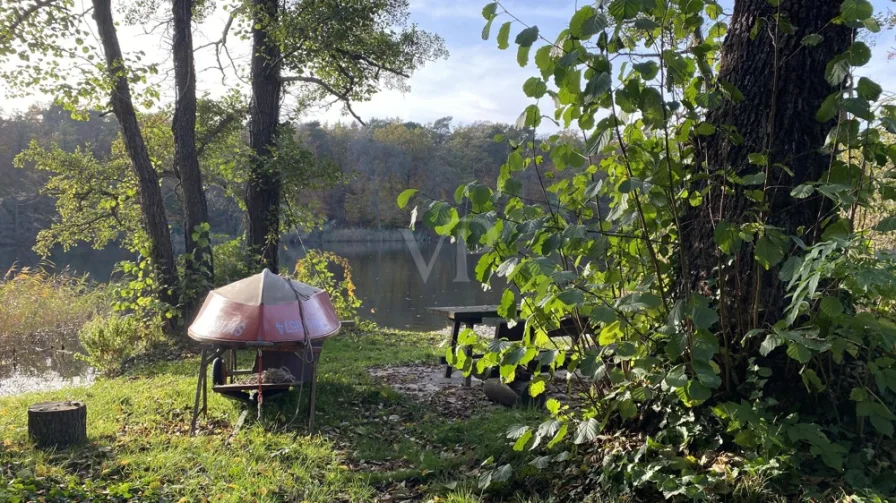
282 320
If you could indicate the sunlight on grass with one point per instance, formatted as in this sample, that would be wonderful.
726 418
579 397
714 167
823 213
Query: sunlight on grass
140 449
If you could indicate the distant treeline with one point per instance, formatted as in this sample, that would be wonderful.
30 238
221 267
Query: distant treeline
377 161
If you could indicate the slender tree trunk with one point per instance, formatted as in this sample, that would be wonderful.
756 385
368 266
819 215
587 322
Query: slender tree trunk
263 189
783 84
185 154
151 203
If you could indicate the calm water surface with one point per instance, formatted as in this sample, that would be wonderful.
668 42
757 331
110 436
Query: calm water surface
395 290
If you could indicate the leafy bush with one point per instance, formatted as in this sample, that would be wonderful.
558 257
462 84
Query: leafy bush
735 324
37 301
109 341
317 269
231 261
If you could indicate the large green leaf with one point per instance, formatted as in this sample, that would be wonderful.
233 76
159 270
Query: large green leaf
768 253
441 217
868 89
527 37
504 36
405 196
625 9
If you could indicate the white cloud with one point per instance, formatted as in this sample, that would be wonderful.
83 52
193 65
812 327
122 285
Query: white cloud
474 84
531 10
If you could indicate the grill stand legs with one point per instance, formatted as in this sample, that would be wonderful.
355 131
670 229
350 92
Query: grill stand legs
200 390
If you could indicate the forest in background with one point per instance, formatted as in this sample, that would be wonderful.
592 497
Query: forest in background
358 169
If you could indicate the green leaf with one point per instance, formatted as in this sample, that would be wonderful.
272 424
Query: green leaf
856 10
882 424
770 343
886 225
489 11
858 54
727 237
704 317
836 70
597 86
802 191
571 297
531 117
534 87
625 9
648 69
507 308
767 253
522 55
441 217
627 409
406 196
587 22
799 352
527 37
610 334
869 89
697 392
829 107
831 306
536 388
705 129
487 29
812 40
504 36
587 431
638 302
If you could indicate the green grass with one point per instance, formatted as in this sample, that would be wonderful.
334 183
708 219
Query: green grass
139 447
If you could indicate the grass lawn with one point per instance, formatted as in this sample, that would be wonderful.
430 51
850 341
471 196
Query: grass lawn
370 442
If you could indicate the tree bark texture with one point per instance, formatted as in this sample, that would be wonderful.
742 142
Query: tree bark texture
57 424
151 202
783 84
185 153
263 188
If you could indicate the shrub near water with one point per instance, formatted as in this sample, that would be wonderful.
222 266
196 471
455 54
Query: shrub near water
109 341
37 302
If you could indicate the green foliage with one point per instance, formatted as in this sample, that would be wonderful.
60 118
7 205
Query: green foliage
36 301
685 398
332 273
108 341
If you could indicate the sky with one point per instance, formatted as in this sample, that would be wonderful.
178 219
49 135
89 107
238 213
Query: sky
478 82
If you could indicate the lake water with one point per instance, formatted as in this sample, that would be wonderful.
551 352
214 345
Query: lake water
395 287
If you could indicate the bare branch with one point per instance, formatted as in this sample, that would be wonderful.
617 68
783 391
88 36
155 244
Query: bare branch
314 80
360 57
30 11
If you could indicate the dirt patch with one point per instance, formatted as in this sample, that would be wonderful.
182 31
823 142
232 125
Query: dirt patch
428 384
448 395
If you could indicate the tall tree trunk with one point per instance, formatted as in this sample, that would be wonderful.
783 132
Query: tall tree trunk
151 203
263 189
783 85
185 154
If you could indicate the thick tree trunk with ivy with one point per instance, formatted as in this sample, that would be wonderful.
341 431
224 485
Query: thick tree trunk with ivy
151 203
185 152
783 86
263 188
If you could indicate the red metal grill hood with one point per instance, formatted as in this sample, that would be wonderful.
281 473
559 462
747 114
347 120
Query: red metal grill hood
264 308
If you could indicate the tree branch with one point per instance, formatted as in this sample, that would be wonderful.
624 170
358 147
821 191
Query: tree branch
314 80
360 57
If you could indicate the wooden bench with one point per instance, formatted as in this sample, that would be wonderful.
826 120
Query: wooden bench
474 315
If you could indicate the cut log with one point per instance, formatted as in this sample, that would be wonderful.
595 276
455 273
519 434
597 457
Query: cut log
57 424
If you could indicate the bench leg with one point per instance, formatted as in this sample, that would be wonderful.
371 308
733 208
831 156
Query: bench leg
468 381
454 333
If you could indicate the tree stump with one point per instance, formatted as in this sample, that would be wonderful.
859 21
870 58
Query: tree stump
57 424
